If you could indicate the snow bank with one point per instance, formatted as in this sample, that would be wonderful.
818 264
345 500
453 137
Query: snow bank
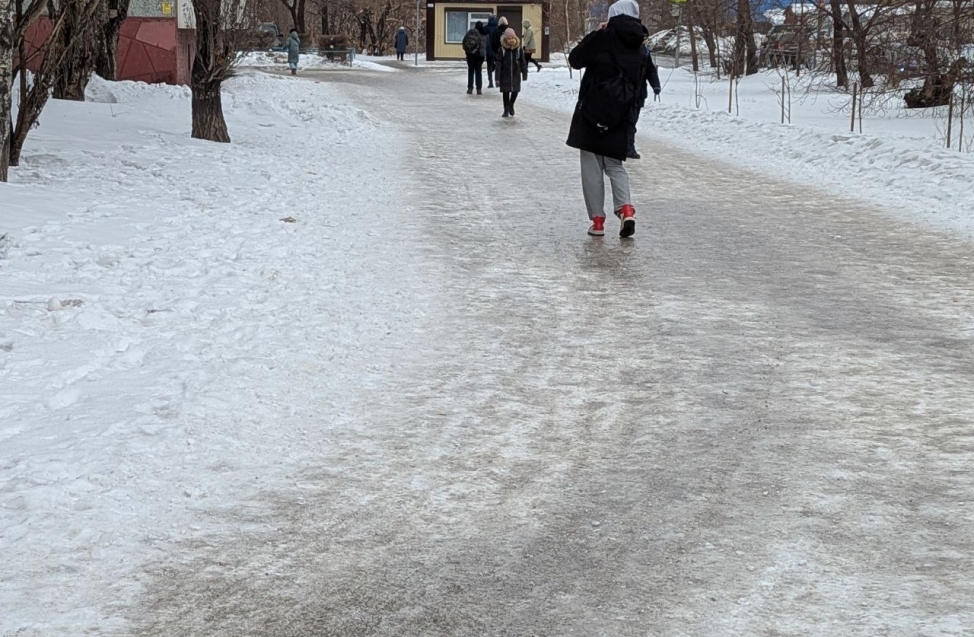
901 167
161 299
312 61
105 92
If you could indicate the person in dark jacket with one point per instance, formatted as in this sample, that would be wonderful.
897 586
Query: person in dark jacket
616 46
491 49
650 77
511 68
402 41
494 43
475 39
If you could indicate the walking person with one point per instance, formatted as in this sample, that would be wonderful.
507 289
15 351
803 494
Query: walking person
474 45
511 68
293 47
402 41
491 49
494 41
530 43
650 77
612 58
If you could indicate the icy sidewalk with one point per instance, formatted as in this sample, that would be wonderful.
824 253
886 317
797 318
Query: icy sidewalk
163 332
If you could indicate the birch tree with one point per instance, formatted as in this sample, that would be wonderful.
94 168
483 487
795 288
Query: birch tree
6 80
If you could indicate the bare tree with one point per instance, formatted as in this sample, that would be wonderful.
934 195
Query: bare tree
6 80
34 92
838 44
107 61
940 31
745 57
374 32
690 14
870 27
80 36
297 9
221 28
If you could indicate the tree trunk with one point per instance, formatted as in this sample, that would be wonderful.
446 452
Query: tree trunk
838 46
6 79
708 37
297 10
862 61
107 63
215 48
292 8
752 47
859 39
568 29
208 121
33 97
79 40
745 50
691 26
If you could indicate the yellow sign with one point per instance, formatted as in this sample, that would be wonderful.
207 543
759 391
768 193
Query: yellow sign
166 9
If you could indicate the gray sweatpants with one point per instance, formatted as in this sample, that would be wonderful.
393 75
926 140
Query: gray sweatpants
594 169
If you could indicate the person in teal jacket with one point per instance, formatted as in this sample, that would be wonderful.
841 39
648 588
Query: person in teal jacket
292 45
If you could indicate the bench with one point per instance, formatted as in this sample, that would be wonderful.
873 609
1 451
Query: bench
347 56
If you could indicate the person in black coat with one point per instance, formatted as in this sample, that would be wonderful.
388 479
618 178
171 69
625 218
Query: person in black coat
616 46
512 67
494 42
477 39
650 77
491 49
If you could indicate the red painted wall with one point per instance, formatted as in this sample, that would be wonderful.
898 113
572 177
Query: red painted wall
149 49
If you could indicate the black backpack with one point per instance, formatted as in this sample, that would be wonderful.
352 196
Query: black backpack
609 101
471 42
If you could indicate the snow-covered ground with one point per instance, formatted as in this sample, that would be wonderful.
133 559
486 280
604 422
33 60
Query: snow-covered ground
159 312
898 162
175 315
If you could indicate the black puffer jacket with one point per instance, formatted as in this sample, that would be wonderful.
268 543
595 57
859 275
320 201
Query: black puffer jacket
622 39
511 66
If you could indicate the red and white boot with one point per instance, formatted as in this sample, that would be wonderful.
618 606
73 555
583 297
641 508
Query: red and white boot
597 229
627 215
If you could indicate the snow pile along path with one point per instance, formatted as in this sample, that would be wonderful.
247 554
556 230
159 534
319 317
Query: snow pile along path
170 309
308 61
915 179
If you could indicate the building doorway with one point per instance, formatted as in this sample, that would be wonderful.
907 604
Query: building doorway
513 15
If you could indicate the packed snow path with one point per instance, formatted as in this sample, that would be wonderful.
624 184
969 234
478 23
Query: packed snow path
446 411
754 419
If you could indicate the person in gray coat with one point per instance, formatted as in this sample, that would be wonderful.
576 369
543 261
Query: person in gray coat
293 46
529 42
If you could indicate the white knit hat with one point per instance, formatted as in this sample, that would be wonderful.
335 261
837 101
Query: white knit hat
624 7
